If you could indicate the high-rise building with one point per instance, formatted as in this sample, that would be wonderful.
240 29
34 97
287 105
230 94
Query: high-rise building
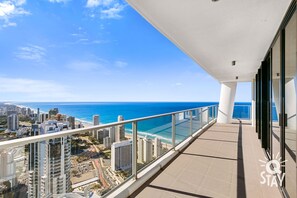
140 150
157 147
49 162
43 117
117 135
13 122
147 150
112 134
120 130
71 121
121 155
38 115
101 134
23 110
10 112
29 112
96 121
106 142
8 168
53 112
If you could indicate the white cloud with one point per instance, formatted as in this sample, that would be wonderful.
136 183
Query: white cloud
81 37
33 89
10 9
6 9
85 66
96 3
99 41
120 64
113 12
178 84
20 2
76 35
108 9
59 1
86 41
10 24
93 3
83 40
31 52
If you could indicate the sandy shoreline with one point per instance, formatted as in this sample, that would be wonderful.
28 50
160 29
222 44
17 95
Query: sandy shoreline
87 124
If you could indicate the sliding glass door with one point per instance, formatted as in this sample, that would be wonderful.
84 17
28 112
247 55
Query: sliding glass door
275 99
289 80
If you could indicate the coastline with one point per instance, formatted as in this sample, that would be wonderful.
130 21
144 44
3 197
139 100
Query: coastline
77 120
128 131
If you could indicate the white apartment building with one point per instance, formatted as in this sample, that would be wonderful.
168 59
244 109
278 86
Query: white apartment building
121 155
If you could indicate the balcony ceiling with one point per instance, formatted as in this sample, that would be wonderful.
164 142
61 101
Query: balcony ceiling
216 33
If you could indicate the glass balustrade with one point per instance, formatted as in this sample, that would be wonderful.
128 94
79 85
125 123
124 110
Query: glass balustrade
96 159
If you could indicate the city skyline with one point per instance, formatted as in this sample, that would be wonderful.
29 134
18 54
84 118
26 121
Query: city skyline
81 49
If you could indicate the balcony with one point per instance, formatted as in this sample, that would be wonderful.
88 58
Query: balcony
222 162
176 154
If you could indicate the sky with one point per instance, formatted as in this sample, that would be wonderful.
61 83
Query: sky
94 50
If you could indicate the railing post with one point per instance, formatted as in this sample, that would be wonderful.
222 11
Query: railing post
201 117
212 114
191 122
134 149
208 120
250 112
173 131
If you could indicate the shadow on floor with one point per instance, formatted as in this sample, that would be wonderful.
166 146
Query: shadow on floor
241 191
177 191
216 157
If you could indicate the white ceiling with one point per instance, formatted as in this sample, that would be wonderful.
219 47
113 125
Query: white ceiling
216 33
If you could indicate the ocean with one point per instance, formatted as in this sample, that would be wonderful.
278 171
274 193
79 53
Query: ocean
109 111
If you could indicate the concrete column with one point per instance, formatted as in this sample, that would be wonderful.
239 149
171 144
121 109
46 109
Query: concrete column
226 105
253 109
295 80
204 115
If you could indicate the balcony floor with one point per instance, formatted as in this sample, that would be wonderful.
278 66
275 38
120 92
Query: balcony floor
222 162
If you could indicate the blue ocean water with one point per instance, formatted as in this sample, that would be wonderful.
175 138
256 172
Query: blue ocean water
109 111
158 127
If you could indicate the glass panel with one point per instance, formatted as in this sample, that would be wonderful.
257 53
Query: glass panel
154 139
182 127
275 104
196 120
93 163
290 106
242 111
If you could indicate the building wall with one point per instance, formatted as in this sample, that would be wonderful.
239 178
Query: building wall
121 155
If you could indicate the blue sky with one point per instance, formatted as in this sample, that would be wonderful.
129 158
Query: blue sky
94 50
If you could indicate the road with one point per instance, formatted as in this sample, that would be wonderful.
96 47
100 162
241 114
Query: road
97 164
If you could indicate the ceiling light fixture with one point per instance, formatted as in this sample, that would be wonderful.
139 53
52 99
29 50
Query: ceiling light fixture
236 77
233 63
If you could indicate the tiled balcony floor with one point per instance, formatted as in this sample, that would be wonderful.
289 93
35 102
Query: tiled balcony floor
222 162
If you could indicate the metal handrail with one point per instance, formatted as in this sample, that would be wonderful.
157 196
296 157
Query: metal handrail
44 137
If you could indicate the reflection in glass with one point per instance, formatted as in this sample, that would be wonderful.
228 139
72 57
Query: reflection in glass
275 104
290 106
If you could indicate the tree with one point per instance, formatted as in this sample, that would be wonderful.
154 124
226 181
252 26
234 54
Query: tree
74 172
